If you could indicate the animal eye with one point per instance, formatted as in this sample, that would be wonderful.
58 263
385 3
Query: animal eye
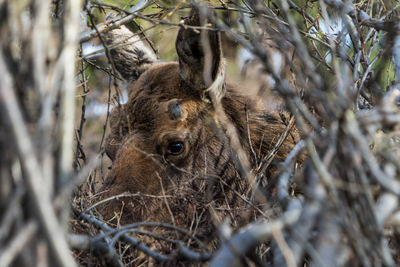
175 148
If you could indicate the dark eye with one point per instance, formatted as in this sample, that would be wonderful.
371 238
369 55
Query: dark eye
175 148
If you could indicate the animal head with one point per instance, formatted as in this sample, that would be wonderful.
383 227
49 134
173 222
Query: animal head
167 139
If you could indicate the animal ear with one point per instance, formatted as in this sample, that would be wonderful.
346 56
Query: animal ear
129 53
201 63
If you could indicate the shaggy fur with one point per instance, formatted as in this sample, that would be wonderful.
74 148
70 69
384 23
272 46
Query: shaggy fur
201 185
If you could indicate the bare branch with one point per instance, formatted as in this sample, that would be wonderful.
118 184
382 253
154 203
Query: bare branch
241 243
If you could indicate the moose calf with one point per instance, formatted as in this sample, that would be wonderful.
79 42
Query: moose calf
175 140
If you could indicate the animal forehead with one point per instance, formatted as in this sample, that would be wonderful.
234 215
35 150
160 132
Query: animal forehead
159 84
161 81
141 113
146 109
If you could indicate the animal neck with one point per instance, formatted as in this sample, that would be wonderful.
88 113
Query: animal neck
258 131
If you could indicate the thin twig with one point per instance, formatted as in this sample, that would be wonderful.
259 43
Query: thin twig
187 253
248 238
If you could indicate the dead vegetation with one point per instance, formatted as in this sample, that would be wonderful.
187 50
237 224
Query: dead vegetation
339 81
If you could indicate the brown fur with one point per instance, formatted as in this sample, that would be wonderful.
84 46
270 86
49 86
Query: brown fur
202 183
141 128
